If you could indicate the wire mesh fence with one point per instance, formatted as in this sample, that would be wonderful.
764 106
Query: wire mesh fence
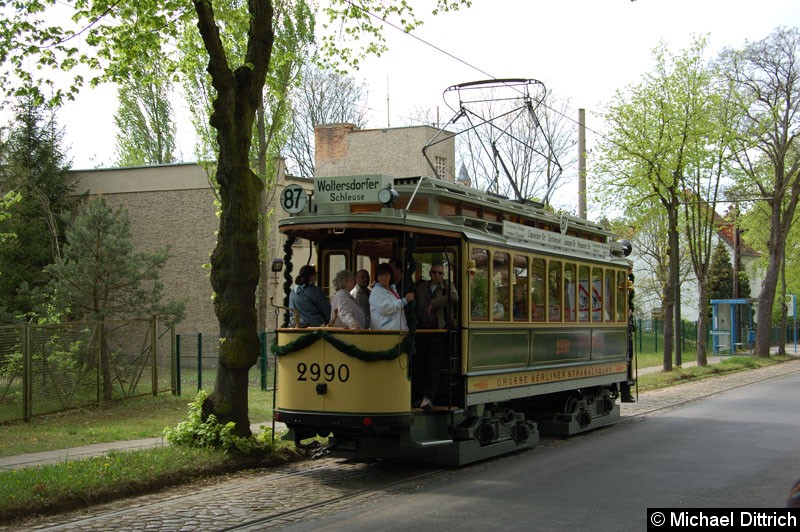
649 337
197 356
54 367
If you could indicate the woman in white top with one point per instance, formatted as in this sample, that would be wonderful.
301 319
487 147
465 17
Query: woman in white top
345 310
386 307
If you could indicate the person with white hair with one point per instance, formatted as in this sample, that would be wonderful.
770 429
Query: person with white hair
345 310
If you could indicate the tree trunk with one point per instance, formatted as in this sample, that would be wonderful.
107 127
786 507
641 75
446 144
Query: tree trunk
670 288
235 261
263 237
765 301
782 333
702 324
105 366
234 277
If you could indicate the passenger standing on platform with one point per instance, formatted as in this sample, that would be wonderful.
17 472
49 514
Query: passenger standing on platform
437 304
309 300
361 292
386 307
345 309
397 277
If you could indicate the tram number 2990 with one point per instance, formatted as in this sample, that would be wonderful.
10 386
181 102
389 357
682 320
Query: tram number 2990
329 372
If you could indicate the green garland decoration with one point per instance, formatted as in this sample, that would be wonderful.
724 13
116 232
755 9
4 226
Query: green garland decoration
403 346
287 275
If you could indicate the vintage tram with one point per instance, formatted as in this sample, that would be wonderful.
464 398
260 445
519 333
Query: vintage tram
539 344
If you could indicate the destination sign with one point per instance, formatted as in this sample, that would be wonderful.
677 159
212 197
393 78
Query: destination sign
555 241
349 189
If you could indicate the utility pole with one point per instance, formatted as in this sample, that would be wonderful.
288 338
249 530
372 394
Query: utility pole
582 163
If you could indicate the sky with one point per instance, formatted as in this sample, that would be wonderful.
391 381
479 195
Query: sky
583 50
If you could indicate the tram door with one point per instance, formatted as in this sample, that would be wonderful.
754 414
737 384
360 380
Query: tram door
449 383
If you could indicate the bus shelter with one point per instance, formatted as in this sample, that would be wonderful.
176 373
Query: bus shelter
732 324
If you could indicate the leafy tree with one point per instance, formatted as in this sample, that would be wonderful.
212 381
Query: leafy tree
100 277
655 141
146 128
271 129
6 201
720 274
766 79
123 31
32 165
325 96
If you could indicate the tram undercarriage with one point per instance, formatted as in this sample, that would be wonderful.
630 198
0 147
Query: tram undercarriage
454 437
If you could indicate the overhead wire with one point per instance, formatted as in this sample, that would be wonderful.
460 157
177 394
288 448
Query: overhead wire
462 61
478 69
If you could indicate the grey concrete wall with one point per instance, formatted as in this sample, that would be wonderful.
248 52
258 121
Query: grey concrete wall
168 205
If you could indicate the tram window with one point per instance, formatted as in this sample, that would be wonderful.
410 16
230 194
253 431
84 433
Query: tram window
609 293
478 287
424 260
554 295
364 262
583 293
622 292
520 299
500 286
570 291
597 294
537 289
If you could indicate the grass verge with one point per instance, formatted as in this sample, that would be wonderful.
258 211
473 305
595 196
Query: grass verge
132 419
67 486
661 379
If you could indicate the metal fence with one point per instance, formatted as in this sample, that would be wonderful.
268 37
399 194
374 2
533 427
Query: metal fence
197 357
650 336
55 367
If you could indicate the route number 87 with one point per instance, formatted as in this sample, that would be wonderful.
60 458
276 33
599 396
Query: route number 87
329 372
294 199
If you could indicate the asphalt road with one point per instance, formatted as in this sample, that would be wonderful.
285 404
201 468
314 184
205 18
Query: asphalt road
739 448
729 441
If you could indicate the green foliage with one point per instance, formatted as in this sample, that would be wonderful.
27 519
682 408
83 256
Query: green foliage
364 22
119 33
100 276
294 25
720 274
146 129
39 40
208 433
33 171
6 201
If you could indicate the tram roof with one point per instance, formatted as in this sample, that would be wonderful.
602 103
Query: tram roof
432 206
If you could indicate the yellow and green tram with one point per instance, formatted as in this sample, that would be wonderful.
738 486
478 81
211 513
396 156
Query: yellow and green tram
540 343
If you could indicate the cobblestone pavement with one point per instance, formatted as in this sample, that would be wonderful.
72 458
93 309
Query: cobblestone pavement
236 499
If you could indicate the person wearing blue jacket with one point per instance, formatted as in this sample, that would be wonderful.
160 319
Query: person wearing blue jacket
309 300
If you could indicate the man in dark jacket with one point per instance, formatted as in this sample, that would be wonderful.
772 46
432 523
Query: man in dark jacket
437 305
